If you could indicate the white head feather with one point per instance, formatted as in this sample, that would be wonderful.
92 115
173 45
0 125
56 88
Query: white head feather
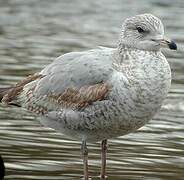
144 32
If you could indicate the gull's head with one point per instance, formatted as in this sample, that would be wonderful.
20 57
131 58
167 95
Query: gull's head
145 32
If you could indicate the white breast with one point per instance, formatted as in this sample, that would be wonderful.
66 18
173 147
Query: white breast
141 87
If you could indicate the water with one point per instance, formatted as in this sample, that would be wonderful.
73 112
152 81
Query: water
32 34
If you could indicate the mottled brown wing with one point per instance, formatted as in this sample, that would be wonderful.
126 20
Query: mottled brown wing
77 98
11 94
72 97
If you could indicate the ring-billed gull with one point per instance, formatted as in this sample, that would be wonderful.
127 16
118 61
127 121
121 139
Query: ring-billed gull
101 93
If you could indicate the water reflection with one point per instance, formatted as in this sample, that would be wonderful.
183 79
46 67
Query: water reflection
32 33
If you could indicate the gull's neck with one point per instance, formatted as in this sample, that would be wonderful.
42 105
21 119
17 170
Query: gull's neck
127 56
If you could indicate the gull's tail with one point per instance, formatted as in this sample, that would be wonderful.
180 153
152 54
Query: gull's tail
3 92
10 95
6 92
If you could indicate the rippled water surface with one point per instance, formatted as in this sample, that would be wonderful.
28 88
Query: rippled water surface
32 34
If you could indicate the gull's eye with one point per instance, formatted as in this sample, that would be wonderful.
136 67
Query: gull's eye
140 30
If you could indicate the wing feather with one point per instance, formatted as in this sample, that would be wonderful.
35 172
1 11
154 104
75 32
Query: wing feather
77 98
74 80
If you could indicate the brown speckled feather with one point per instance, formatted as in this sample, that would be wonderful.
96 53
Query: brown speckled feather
77 98
12 93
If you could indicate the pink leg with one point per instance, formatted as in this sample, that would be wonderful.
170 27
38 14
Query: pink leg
103 158
84 152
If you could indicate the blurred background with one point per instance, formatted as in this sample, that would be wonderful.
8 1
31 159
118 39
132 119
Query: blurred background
32 34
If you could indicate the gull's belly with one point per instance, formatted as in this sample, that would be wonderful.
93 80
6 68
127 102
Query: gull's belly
134 105
127 115
109 119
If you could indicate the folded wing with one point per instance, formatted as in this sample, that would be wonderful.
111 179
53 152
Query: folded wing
73 81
